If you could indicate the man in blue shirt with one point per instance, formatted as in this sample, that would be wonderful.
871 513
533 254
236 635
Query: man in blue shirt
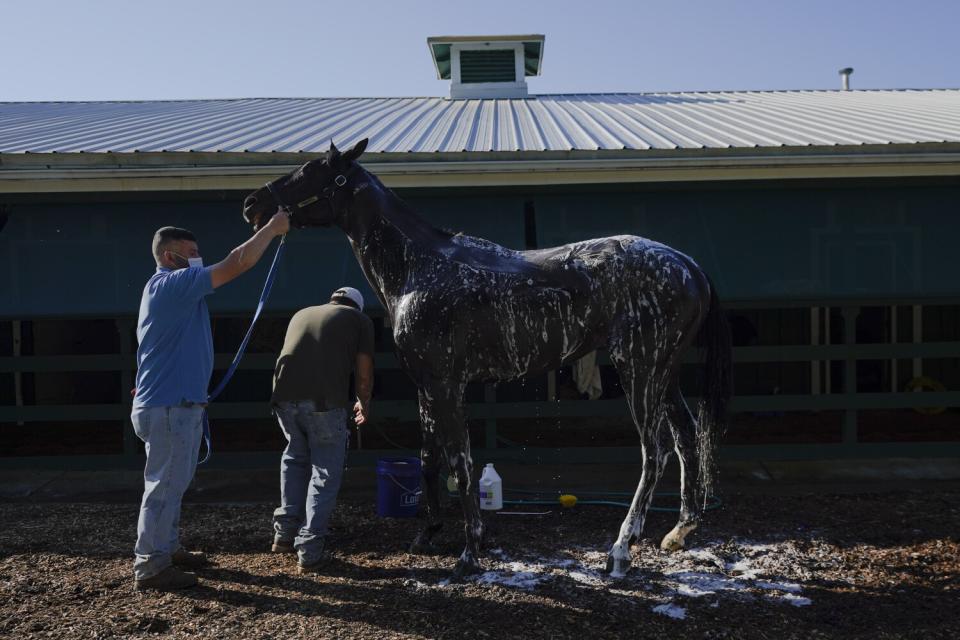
174 363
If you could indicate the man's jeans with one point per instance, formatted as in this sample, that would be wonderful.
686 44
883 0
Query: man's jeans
172 438
311 470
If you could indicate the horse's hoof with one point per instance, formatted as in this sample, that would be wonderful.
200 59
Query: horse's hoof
423 542
465 568
671 543
423 548
617 567
674 540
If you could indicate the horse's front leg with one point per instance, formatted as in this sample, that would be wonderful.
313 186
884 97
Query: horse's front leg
443 401
458 457
430 457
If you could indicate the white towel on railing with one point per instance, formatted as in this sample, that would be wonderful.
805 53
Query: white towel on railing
586 374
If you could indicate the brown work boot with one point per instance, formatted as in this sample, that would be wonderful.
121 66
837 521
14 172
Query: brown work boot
189 559
281 546
313 567
305 569
167 580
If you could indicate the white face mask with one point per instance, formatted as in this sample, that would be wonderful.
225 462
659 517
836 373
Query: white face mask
191 262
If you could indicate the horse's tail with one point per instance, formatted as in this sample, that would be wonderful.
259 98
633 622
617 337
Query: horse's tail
715 391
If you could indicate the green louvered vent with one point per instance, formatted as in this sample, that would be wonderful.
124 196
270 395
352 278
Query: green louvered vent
487 66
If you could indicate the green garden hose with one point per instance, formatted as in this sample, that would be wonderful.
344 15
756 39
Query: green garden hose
714 502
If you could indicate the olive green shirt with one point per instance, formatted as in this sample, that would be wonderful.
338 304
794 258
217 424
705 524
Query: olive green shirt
319 353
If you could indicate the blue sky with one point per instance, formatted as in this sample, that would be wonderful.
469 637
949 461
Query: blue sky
173 49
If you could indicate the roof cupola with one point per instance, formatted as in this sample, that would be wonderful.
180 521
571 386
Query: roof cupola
487 66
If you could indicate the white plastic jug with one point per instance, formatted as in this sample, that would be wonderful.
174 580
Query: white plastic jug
491 489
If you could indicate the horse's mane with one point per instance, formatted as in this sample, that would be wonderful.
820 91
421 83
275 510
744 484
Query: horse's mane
478 253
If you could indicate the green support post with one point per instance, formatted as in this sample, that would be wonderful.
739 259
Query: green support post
125 329
850 315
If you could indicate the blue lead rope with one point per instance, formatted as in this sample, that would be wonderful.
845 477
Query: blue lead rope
271 276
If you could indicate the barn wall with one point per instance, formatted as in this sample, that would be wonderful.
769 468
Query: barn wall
776 244
93 259
791 263
758 245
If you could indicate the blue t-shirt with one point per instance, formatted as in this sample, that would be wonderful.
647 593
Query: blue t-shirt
175 356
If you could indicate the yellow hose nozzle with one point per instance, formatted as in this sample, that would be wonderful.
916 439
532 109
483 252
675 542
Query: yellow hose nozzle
567 500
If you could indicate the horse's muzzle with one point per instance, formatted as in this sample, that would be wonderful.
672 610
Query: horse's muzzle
250 212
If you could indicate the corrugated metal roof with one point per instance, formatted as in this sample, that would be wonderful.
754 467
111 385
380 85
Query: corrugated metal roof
586 122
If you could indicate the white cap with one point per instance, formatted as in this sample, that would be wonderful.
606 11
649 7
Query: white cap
351 293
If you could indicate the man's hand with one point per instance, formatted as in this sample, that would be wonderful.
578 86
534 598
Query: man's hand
279 224
246 255
364 377
360 414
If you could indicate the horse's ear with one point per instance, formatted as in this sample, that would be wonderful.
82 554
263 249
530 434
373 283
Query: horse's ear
354 153
333 154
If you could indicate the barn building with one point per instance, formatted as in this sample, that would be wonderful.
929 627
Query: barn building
828 220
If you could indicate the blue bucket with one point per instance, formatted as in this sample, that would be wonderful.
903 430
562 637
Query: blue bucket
398 487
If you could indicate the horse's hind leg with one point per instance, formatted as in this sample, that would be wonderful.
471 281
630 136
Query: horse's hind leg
644 394
430 456
684 429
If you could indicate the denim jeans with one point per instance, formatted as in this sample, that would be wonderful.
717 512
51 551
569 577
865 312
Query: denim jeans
172 439
311 470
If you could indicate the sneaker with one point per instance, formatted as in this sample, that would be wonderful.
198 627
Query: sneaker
167 580
282 546
189 559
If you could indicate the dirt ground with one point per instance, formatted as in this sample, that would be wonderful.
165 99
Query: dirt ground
862 565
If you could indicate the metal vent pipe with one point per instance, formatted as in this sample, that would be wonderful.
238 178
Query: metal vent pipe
845 74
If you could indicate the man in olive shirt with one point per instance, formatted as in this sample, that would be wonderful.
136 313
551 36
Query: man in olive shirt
323 345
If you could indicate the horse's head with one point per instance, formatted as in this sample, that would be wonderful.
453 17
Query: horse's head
312 192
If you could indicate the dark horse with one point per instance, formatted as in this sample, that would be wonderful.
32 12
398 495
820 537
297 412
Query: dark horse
466 309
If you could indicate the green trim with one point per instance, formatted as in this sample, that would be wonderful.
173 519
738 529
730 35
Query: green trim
526 455
441 59
532 55
388 360
407 409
